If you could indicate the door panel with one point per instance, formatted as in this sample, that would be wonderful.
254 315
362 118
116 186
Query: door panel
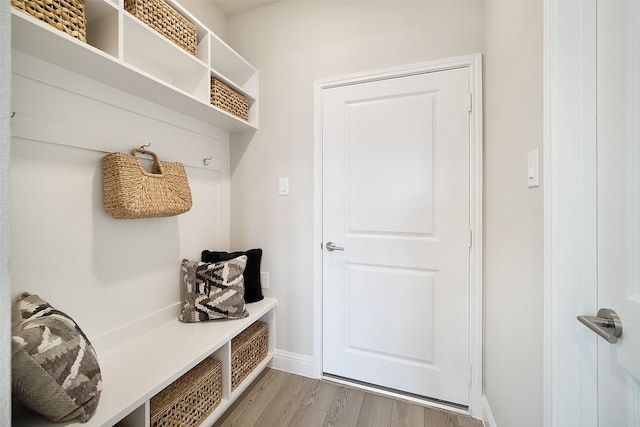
369 331
618 81
371 193
396 196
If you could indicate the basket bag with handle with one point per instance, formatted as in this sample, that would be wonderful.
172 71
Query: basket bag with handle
131 192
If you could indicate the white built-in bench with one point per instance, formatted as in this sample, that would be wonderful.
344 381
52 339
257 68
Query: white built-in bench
140 359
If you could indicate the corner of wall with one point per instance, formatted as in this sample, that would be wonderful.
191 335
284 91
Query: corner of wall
210 15
487 415
295 363
5 283
513 352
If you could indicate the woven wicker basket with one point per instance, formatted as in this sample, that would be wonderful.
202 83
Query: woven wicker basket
248 349
65 15
158 15
227 99
130 192
190 399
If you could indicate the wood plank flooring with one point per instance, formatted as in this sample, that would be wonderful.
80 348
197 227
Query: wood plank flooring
281 399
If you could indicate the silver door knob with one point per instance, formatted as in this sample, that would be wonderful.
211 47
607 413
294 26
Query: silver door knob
607 324
332 247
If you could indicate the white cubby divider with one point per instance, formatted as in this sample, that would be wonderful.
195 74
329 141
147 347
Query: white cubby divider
118 44
102 29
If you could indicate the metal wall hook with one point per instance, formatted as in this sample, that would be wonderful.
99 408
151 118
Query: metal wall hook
13 114
145 146
206 160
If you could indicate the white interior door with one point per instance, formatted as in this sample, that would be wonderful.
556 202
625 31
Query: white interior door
618 80
395 167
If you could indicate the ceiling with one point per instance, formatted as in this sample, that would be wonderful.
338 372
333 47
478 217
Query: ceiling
233 7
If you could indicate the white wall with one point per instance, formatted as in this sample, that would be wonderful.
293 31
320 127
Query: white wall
513 213
64 247
5 283
209 14
292 44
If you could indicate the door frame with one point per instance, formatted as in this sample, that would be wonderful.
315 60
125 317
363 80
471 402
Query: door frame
570 393
474 64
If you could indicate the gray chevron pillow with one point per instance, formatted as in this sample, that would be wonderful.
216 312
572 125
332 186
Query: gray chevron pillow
54 368
213 290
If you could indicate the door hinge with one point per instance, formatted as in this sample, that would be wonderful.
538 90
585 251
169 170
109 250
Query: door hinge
470 105
469 369
470 238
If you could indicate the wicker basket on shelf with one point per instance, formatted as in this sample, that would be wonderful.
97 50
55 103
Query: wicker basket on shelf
65 15
227 99
158 15
191 398
248 349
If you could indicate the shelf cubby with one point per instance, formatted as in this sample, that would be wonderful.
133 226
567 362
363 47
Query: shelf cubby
123 52
135 367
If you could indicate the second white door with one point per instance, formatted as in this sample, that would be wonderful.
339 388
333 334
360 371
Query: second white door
395 165
618 173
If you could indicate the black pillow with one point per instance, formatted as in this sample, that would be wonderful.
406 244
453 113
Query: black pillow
252 285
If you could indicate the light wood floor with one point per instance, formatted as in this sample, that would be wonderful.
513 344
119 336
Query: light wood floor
280 399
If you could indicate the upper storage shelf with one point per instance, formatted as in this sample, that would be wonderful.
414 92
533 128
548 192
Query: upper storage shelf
123 52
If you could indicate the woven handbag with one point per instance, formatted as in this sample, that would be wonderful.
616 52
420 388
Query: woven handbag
131 192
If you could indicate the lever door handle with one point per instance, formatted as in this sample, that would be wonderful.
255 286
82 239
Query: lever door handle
332 247
607 324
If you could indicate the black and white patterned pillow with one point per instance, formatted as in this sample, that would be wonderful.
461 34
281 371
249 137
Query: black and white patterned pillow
54 368
213 290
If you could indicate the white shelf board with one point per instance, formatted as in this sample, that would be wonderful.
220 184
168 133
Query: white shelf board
39 39
227 60
174 66
139 368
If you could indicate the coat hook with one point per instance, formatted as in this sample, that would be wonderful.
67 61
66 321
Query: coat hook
145 146
206 160
13 114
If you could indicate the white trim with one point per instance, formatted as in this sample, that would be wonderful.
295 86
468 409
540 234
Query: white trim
317 229
299 364
474 63
476 256
487 415
405 70
570 288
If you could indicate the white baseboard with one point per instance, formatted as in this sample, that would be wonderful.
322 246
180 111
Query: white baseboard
487 415
299 364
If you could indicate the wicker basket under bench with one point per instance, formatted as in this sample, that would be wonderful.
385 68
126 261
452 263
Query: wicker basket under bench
248 349
191 398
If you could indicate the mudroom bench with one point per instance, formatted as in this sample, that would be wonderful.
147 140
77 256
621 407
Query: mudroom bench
140 359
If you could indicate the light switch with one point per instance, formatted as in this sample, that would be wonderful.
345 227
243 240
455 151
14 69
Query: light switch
283 186
264 280
532 168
